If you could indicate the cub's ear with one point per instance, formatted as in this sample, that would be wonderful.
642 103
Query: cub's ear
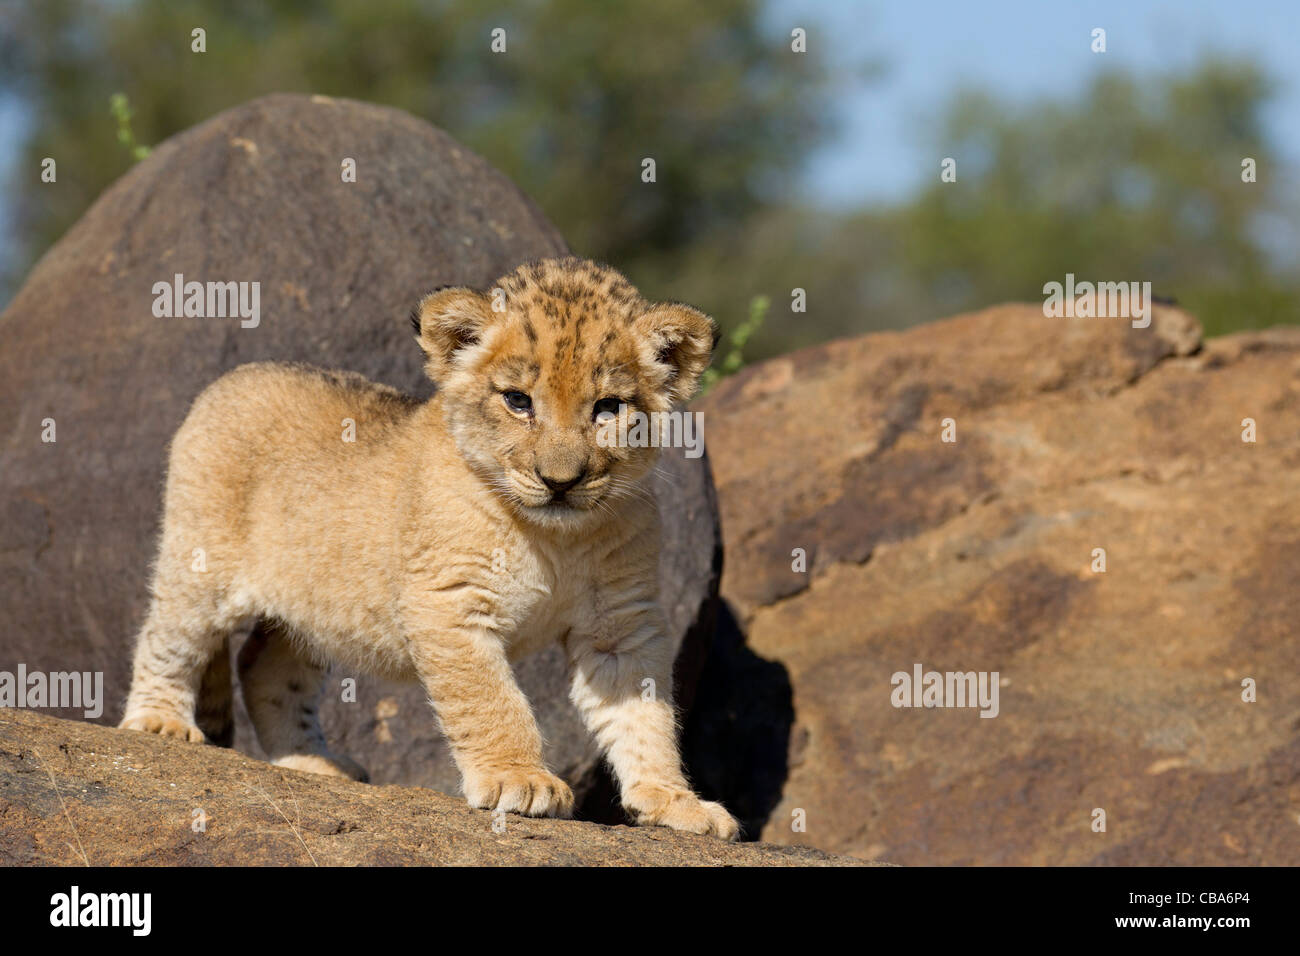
448 320
677 343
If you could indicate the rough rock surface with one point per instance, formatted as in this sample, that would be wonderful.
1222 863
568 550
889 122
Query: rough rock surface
255 194
1119 690
72 793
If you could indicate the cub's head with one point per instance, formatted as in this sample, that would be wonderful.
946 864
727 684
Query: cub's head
543 377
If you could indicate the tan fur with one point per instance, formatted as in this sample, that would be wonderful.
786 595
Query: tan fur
430 548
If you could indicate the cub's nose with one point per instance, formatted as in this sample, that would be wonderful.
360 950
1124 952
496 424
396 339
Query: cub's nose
559 486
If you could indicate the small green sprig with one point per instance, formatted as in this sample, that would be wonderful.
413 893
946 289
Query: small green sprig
735 357
121 109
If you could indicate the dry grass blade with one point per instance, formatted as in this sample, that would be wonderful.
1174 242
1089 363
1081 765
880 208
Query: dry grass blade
81 849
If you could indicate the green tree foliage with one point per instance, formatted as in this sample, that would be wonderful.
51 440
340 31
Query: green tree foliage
1134 182
1131 180
583 93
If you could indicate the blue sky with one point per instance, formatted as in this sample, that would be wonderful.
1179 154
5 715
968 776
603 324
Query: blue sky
1019 50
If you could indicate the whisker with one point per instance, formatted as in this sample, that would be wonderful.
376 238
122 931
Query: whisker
659 471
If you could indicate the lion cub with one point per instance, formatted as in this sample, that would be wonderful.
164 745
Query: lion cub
447 539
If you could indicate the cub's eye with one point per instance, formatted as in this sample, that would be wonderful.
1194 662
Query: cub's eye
606 406
518 401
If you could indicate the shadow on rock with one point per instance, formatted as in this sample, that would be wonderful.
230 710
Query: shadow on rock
737 737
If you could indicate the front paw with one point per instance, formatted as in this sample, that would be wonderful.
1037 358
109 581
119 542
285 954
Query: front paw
531 791
163 724
681 810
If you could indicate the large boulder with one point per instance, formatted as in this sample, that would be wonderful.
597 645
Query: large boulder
72 793
256 194
1120 690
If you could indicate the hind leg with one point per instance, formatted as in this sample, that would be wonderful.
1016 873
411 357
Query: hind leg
175 649
213 713
282 689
